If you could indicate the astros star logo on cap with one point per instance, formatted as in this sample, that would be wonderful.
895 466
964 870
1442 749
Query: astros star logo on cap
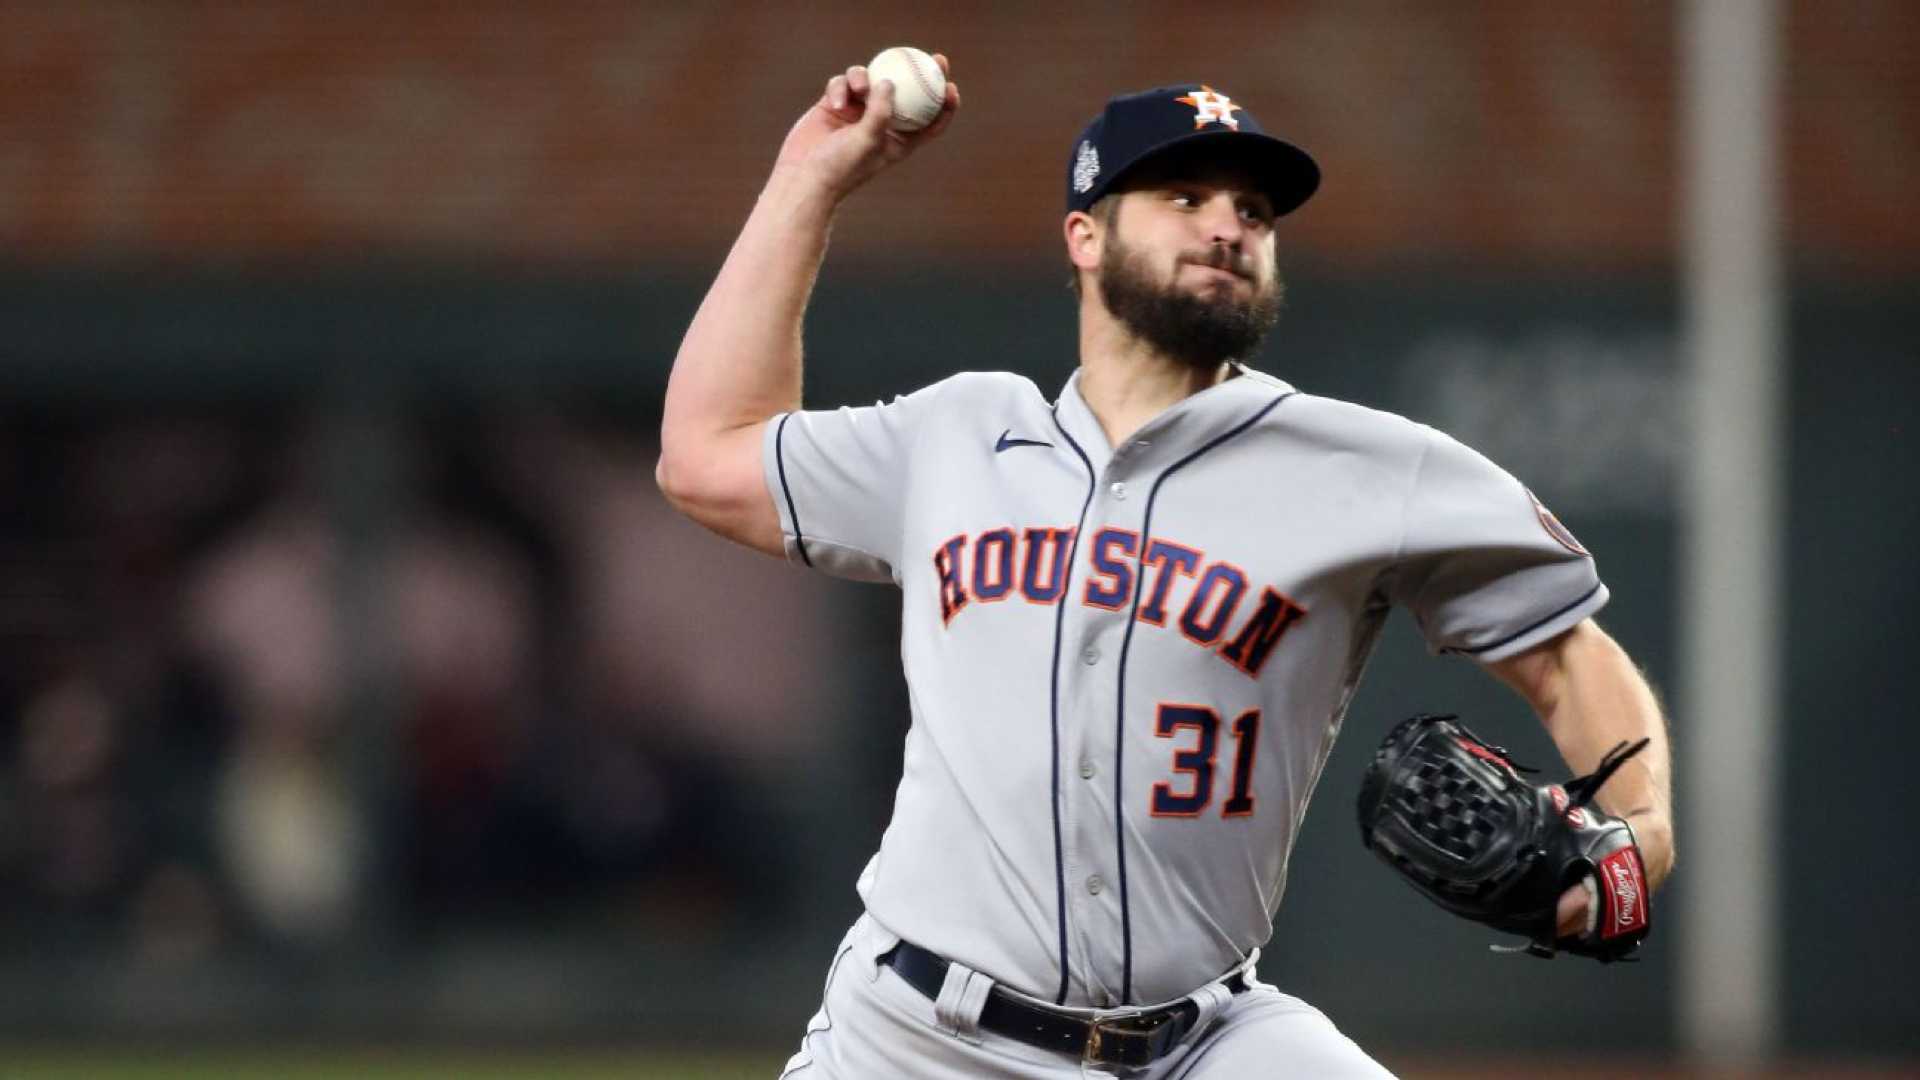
1211 108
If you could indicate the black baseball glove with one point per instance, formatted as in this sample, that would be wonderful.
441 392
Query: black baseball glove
1452 814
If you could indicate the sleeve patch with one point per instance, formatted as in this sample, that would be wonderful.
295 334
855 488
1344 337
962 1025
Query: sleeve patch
1563 535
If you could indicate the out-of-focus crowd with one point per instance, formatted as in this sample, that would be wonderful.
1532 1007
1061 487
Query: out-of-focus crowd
256 692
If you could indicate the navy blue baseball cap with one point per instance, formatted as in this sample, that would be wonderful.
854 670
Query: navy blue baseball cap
1193 117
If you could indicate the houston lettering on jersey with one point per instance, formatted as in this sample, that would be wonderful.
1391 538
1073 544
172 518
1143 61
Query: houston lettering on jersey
1209 596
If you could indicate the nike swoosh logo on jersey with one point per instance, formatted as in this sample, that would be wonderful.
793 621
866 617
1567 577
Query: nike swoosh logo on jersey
1006 444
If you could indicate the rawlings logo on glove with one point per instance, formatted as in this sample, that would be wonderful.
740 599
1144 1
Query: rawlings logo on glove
1621 871
1453 815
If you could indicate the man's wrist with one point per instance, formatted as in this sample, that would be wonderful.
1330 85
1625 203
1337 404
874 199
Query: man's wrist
1653 833
802 194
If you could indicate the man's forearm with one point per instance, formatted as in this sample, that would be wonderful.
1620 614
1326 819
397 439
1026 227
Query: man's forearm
1591 698
1598 699
740 360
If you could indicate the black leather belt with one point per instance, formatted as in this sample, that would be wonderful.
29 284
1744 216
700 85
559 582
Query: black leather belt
1136 1038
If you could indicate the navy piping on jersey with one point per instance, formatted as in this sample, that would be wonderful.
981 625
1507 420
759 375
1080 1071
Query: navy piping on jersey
1059 616
780 461
1537 624
1120 708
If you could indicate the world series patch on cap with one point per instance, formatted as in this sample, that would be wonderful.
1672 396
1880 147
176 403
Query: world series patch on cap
1134 128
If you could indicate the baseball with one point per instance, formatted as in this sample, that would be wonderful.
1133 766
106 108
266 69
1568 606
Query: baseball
919 86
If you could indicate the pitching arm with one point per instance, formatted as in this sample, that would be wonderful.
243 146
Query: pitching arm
740 361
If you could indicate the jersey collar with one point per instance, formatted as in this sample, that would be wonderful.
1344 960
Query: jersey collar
1178 429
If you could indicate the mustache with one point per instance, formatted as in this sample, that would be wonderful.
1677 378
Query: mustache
1220 258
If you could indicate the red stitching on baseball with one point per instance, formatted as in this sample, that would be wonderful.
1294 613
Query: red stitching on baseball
913 65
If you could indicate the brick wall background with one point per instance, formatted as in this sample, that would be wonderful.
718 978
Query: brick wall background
1515 131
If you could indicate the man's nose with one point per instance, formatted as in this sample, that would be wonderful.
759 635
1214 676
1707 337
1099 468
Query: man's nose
1220 217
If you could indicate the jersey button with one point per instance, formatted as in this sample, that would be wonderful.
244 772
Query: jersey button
1119 490
1086 769
1095 884
1092 655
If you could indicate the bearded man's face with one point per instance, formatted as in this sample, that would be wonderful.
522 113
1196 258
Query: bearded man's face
1199 291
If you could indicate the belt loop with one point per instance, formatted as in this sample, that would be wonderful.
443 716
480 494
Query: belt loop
962 996
1250 971
876 941
1211 1000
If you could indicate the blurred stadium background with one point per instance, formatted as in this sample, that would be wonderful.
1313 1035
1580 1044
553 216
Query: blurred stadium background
364 712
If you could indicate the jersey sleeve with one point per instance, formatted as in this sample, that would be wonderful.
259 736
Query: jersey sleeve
839 479
1485 568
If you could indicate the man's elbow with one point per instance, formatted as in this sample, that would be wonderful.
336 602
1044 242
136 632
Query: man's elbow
664 477
679 481
716 482
702 485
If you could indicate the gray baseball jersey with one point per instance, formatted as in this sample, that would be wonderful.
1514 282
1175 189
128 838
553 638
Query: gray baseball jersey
1127 665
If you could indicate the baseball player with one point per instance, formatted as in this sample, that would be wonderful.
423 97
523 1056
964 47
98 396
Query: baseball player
1133 615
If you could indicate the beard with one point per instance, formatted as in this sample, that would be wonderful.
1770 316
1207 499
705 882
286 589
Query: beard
1198 329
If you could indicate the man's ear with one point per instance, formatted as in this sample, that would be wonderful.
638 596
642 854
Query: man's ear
1084 237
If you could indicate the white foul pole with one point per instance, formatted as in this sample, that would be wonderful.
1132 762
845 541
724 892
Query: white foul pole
1729 722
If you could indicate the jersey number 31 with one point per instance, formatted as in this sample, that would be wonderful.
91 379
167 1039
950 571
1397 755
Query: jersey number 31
1197 761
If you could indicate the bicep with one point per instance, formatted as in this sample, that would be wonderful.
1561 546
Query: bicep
1485 570
722 486
824 488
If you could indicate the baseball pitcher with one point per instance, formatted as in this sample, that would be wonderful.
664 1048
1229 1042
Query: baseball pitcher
1134 615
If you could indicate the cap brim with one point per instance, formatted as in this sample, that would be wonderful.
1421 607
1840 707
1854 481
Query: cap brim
1285 172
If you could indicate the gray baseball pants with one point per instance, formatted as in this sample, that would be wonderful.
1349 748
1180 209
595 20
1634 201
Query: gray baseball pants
872 1024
